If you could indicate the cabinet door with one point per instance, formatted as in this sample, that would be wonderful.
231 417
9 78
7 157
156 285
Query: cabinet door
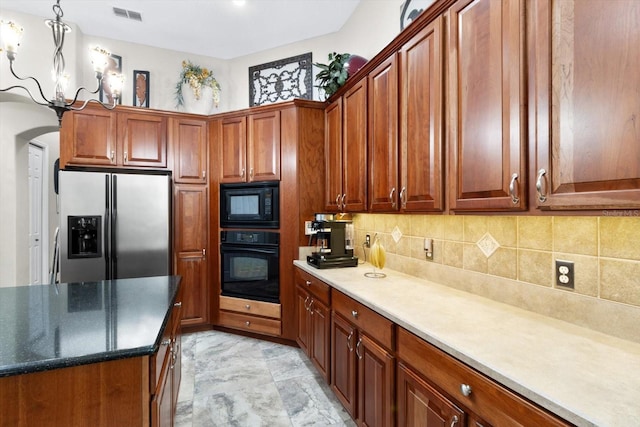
376 384
304 320
161 405
190 219
88 137
264 146
421 118
143 140
383 136
588 104
320 337
189 139
233 149
333 156
354 148
343 362
487 105
192 266
420 405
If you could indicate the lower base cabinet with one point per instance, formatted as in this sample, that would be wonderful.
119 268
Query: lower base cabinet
250 315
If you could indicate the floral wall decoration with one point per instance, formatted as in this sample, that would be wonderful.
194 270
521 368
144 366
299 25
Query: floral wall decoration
281 80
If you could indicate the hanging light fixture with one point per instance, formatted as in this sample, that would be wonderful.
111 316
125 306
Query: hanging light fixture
11 34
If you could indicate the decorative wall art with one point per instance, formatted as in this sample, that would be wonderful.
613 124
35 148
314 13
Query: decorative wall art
114 65
410 9
281 80
141 88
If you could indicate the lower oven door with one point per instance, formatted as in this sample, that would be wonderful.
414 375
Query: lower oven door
250 272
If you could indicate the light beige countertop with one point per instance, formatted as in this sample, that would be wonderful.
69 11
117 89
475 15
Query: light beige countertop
584 376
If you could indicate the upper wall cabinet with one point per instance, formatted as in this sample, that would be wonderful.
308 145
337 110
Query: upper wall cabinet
346 151
383 136
421 118
250 147
189 141
587 126
487 143
98 137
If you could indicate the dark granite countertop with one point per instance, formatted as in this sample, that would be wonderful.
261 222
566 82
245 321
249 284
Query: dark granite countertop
43 328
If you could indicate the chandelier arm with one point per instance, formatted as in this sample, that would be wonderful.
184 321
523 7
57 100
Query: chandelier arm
80 89
46 104
29 92
105 105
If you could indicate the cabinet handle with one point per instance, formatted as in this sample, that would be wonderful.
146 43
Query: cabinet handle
204 174
178 304
465 389
338 201
306 303
242 173
311 307
541 196
403 195
204 253
512 189
349 346
126 157
354 313
358 348
454 420
247 323
248 307
250 173
342 202
307 282
166 342
393 202
113 156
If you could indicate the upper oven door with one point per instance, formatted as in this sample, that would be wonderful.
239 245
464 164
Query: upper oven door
250 272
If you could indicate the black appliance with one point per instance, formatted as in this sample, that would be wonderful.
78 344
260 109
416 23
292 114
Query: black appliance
334 245
250 265
250 205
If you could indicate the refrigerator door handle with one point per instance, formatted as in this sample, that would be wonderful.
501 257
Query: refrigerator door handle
107 228
114 224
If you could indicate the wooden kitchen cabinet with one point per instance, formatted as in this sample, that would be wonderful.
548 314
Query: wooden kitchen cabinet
383 136
478 396
421 405
346 151
486 104
250 315
314 320
121 138
585 88
250 147
362 362
421 121
190 251
190 150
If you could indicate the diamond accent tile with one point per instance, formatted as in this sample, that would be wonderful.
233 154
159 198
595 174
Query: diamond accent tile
487 244
396 234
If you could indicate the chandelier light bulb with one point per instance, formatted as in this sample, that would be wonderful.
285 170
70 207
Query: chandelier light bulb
99 58
116 82
11 34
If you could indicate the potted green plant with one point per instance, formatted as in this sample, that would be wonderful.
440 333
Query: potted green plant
334 74
197 86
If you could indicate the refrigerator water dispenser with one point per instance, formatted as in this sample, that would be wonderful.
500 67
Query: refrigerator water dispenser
84 236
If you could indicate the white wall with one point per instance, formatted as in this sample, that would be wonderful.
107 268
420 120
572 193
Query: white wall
372 26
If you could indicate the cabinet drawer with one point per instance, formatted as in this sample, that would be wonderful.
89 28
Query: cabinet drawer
257 308
247 322
495 404
313 285
365 319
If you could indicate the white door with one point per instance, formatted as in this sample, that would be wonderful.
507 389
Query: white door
36 165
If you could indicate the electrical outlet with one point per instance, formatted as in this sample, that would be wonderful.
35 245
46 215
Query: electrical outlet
367 241
564 274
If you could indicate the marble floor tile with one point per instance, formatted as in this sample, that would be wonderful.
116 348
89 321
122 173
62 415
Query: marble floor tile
233 380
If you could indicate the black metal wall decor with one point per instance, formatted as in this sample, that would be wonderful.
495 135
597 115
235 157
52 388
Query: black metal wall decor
281 80
410 10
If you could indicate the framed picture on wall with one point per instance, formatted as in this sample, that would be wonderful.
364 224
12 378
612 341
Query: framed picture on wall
141 88
410 9
281 80
114 64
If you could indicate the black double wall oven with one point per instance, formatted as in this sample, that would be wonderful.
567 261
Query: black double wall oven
249 247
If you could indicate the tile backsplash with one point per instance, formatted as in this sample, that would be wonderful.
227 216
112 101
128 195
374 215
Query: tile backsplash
512 259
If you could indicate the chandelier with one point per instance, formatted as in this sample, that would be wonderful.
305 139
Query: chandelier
11 34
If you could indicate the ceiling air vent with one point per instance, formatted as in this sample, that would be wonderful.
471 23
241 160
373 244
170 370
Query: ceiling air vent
128 14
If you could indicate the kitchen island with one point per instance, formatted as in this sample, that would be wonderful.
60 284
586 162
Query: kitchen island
90 353
585 377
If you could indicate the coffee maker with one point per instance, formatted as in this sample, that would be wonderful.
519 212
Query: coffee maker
334 243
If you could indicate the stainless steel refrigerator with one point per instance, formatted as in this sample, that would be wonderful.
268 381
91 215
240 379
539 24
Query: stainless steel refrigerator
114 225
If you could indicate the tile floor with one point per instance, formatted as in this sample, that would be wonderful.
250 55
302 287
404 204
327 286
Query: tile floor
232 380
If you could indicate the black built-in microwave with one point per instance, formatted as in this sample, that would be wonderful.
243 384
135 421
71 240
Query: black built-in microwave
250 205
